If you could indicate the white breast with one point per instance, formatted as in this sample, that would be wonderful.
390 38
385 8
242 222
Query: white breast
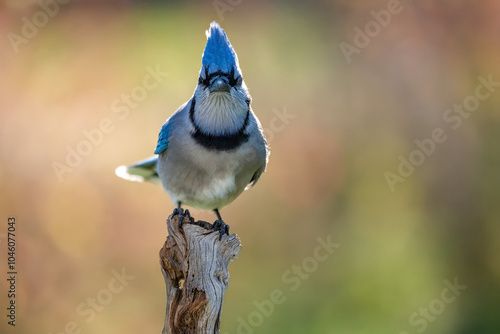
220 186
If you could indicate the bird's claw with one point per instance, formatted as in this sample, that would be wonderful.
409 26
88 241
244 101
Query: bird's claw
220 226
182 214
177 211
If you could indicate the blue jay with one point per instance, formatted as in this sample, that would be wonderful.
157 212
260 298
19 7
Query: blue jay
213 147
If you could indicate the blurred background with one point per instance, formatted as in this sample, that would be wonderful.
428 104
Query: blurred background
383 121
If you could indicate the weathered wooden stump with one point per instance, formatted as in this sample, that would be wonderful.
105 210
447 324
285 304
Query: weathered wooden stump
194 264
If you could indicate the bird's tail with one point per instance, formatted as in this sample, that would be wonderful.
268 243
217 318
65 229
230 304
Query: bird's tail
144 170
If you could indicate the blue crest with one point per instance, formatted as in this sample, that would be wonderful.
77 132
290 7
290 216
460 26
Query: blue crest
219 55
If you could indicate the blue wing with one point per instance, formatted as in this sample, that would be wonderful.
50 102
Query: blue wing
163 137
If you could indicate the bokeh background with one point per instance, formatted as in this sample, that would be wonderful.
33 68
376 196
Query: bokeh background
336 126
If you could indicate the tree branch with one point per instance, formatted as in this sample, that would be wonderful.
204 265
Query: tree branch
194 264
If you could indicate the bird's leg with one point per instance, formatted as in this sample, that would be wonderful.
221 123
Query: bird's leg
219 225
182 213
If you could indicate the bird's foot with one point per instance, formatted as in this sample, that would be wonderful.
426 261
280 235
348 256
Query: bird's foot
182 214
220 226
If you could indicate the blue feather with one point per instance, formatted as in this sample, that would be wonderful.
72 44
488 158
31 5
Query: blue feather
219 54
163 137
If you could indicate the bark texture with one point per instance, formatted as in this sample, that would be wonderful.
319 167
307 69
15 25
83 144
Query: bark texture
194 264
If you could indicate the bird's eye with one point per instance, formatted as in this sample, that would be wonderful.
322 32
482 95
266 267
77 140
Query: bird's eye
239 81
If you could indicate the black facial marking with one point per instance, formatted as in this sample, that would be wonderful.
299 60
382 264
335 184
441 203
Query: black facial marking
230 76
218 142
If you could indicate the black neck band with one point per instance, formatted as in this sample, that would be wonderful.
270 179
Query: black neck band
218 142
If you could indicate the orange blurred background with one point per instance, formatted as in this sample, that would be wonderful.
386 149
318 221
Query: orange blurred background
349 93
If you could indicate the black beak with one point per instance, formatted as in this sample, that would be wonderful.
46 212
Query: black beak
219 85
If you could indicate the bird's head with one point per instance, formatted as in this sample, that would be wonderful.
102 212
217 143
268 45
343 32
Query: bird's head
222 98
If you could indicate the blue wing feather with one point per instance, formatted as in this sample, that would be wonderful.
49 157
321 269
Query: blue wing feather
163 137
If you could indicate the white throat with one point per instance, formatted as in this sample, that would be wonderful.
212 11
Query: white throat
219 113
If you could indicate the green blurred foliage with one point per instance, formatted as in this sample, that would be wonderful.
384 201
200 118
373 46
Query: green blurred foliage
326 177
